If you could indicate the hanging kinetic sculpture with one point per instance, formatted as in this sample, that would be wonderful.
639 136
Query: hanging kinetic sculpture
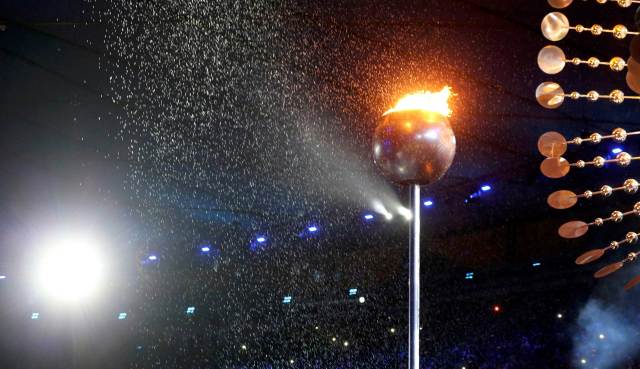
552 60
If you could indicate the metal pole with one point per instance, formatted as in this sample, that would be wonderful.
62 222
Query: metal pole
414 281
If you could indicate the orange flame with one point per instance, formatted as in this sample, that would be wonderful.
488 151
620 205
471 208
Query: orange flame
437 102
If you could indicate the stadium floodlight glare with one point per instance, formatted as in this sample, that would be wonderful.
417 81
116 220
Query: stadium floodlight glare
70 269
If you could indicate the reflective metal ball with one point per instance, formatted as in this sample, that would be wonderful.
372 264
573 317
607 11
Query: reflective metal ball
414 146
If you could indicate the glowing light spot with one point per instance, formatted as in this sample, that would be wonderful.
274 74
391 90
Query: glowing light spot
428 203
122 316
152 257
312 229
362 300
485 188
35 316
616 150
368 216
261 239
436 102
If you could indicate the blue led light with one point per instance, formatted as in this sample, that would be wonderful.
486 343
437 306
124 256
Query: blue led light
191 310
469 275
368 216
122 316
353 291
616 150
35 316
152 257
3 277
536 264
485 188
312 229
428 203
205 249
287 300
261 239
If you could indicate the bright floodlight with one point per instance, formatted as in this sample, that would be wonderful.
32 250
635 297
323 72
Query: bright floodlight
70 269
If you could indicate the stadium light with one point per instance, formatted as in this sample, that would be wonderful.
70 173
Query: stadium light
70 269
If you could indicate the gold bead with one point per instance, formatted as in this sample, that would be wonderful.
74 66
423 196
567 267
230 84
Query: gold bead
593 62
576 61
606 190
598 162
617 216
617 96
624 159
595 138
579 28
620 31
575 95
619 135
596 29
593 95
617 64
624 3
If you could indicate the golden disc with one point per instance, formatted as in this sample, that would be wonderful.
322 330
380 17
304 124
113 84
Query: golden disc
633 82
633 66
573 229
551 59
550 95
632 283
589 256
552 144
608 269
560 4
555 26
555 167
562 199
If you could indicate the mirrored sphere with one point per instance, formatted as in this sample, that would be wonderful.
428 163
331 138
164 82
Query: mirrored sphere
414 146
555 26
551 59
550 95
560 4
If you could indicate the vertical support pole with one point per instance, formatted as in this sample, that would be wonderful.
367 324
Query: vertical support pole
414 281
